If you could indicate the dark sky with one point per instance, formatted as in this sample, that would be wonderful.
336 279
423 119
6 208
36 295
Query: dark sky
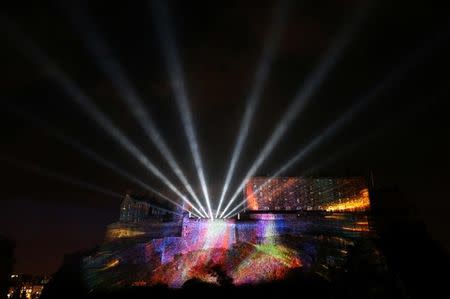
402 135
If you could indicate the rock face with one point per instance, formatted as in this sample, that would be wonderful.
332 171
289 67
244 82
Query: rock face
257 249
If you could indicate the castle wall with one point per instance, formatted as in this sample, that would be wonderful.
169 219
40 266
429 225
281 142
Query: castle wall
145 230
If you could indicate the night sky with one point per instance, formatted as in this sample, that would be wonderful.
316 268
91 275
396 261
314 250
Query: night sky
402 135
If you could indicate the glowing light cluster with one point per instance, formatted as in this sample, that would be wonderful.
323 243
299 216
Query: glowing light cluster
356 229
119 233
360 203
111 264
204 234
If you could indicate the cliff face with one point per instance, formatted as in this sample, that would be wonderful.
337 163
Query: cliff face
259 248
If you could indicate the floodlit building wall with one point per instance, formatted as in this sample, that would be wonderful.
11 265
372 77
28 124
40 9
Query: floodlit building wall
307 194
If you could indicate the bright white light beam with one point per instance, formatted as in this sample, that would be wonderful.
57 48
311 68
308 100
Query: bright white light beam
67 179
38 57
270 47
161 16
113 70
91 154
57 176
312 83
99 159
393 77
345 150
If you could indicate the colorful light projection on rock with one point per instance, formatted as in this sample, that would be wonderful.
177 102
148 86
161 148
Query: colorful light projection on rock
268 262
207 250
218 234
243 263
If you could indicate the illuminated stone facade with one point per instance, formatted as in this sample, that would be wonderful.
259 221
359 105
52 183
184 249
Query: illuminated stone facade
307 194
292 223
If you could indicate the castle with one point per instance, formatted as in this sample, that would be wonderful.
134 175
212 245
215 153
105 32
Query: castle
289 223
